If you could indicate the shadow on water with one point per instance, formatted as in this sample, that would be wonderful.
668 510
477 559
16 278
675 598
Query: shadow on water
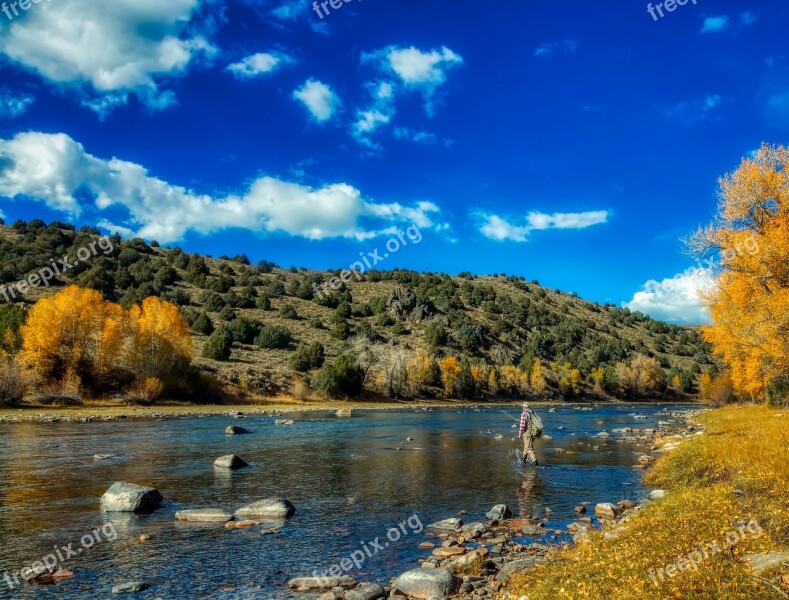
350 479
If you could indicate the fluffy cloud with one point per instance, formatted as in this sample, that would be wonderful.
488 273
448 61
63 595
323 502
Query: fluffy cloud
107 48
675 299
56 170
14 105
569 46
715 24
319 99
500 229
258 64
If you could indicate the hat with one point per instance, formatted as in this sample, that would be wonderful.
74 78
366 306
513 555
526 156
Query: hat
525 405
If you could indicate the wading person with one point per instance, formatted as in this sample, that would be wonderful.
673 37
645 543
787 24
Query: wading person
530 429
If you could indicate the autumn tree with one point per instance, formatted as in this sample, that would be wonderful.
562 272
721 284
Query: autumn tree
747 245
537 380
450 374
423 371
160 341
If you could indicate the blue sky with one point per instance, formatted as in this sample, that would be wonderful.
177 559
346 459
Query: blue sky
569 142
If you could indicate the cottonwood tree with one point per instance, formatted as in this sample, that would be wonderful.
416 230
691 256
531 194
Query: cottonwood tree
749 301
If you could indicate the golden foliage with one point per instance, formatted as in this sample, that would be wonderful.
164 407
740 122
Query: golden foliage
77 336
450 373
537 379
642 376
749 303
422 371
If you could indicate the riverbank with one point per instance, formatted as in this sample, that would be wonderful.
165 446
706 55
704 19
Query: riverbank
282 405
715 534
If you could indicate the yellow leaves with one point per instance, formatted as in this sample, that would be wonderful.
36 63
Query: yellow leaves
749 304
450 373
76 334
537 378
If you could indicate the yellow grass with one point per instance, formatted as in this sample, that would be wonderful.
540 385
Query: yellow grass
738 470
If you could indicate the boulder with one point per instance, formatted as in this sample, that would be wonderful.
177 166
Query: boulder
513 568
474 530
422 584
606 510
203 515
321 584
447 525
128 497
230 461
58 574
273 508
236 430
499 513
284 422
657 494
367 591
344 413
534 530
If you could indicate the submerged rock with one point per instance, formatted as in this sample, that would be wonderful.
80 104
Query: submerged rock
203 515
425 583
128 497
276 508
132 587
321 584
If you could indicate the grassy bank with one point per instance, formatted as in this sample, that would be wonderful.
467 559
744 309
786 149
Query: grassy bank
739 469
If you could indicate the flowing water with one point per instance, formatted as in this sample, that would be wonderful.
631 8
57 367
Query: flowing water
352 481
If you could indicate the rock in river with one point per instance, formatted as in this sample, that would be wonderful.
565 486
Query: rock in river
273 508
230 461
236 430
425 583
368 591
499 513
447 525
606 510
203 515
131 587
321 584
128 497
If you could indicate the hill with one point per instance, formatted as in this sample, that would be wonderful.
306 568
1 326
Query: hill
403 334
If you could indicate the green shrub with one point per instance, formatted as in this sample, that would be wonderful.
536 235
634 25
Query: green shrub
288 312
203 324
307 357
219 345
274 336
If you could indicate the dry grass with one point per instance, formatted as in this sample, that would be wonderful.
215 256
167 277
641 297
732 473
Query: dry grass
738 470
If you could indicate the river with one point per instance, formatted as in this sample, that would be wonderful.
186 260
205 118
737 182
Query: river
352 480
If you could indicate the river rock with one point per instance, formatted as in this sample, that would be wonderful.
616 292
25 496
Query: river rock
513 568
367 591
447 525
58 574
276 508
534 530
203 515
657 494
475 530
128 497
422 584
132 587
241 524
499 513
344 412
284 422
321 584
236 430
606 510
230 461
449 552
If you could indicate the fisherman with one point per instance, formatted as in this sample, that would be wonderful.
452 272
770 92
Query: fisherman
530 429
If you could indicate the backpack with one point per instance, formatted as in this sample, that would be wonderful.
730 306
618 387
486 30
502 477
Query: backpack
536 426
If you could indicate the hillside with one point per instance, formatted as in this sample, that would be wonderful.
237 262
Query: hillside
487 323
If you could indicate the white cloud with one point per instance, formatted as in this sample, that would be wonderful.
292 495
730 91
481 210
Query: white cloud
56 170
501 229
13 105
118 48
319 98
569 46
675 299
715 24
415 69
258 64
